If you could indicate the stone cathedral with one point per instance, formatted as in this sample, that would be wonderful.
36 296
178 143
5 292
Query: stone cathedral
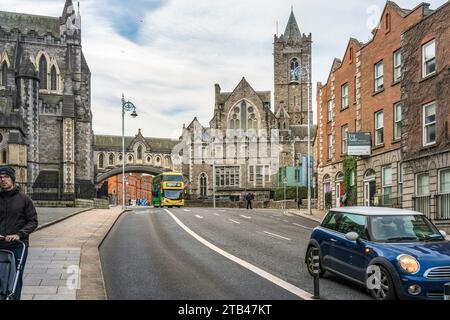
223 152
45 104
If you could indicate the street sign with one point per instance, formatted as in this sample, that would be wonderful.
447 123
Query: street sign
359 143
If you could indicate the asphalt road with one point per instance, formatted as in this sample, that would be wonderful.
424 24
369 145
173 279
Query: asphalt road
150 255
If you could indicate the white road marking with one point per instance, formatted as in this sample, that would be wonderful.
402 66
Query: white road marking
234 221
276 235
197 216
245 217
285 220
299 225
216 214
187 210
264 274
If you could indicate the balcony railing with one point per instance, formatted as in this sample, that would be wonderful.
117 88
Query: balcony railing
423 204
443 207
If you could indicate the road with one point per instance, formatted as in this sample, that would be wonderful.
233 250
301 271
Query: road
204 253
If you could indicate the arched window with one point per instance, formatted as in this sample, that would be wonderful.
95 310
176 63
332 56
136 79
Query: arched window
339 176
203 184
4 74
53 79
167 162
120 157
101 160
369 175
388 22
130 158
294 70
111 159
149 159
43 72
243 116
139 153
158 161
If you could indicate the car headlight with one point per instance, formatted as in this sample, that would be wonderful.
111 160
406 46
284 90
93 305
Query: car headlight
408 263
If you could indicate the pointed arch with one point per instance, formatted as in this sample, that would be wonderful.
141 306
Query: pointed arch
3 74
203 183
243 115
43 72
101 161
111 159
294 69
53 79
139 153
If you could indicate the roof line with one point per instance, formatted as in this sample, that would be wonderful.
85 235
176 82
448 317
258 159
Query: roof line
31 15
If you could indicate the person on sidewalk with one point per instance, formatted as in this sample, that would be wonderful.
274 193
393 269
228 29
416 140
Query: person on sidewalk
249 197
18 218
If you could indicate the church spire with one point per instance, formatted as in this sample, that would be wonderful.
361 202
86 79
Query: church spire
292 33
67 11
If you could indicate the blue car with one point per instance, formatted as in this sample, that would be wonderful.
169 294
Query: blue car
394 253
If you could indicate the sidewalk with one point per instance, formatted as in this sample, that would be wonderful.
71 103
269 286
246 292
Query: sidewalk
63 261
317 215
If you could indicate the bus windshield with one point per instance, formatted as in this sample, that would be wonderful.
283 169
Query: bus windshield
173 178
173 194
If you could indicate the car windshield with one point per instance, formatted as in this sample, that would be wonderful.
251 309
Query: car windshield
173 194
410 228
178 178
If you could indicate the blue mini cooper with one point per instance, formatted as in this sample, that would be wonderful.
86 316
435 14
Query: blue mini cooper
394 253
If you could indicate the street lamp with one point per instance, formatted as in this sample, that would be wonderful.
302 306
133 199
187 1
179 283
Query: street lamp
308 166
126 106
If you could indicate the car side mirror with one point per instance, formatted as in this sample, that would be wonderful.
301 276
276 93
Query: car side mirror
444 234
352 236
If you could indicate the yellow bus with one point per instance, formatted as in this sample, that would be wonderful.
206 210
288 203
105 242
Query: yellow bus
168 190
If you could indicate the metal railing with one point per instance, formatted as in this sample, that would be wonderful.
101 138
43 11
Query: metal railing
58 192
423 204
443 207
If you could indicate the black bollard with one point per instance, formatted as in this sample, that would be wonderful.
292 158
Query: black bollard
316 271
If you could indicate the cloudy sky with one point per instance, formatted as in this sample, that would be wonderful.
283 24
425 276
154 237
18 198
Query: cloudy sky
166 55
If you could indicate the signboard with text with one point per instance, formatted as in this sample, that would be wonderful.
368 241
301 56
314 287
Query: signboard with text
359 143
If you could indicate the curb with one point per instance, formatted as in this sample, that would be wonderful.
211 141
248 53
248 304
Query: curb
99 245
307 216
48 224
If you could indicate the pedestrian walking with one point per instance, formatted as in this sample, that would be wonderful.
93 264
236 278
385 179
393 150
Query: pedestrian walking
249 198
18 218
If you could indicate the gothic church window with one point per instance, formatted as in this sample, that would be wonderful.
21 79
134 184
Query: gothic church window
4 74
243 116
203 183
139 153
53 79
294 70
43 72
111 159
101 161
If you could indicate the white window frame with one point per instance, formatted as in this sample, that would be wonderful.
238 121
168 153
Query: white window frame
439 181
383 181
378 143
397 66
417 184
330 146
424 125
397 122
344 96
330 110
424 62
344 139
378 77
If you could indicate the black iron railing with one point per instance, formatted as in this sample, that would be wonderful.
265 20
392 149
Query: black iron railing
423 204
443 207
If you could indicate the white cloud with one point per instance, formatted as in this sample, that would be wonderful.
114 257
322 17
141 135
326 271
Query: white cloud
185 46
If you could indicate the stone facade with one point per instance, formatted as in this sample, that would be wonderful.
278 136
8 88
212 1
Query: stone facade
247 144
426 100
45 81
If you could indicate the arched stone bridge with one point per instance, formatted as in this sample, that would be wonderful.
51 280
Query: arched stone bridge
143 155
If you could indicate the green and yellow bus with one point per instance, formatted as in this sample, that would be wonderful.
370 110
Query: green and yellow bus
168 190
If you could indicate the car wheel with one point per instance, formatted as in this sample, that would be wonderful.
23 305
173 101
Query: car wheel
309 262
386 291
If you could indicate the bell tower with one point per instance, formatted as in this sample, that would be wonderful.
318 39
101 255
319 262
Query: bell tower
292 73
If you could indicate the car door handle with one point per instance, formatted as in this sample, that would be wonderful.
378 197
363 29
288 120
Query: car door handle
333 240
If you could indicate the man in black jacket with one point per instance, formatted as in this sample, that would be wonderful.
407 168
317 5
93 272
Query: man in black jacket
18 218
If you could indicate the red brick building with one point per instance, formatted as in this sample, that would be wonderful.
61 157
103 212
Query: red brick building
426 115
362 94
138 186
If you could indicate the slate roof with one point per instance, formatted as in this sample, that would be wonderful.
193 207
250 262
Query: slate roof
27 22
114 142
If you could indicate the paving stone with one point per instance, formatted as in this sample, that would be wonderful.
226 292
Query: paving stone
39 289
55 297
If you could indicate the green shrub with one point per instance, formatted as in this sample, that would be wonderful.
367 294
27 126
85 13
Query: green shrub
291 193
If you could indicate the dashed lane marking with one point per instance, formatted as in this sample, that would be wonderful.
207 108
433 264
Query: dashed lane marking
299 225
264 274
245 217
187 210
234 221
276 236
216 214
197 216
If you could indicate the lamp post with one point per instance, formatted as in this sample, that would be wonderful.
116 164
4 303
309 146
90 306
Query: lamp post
126 106
308 163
